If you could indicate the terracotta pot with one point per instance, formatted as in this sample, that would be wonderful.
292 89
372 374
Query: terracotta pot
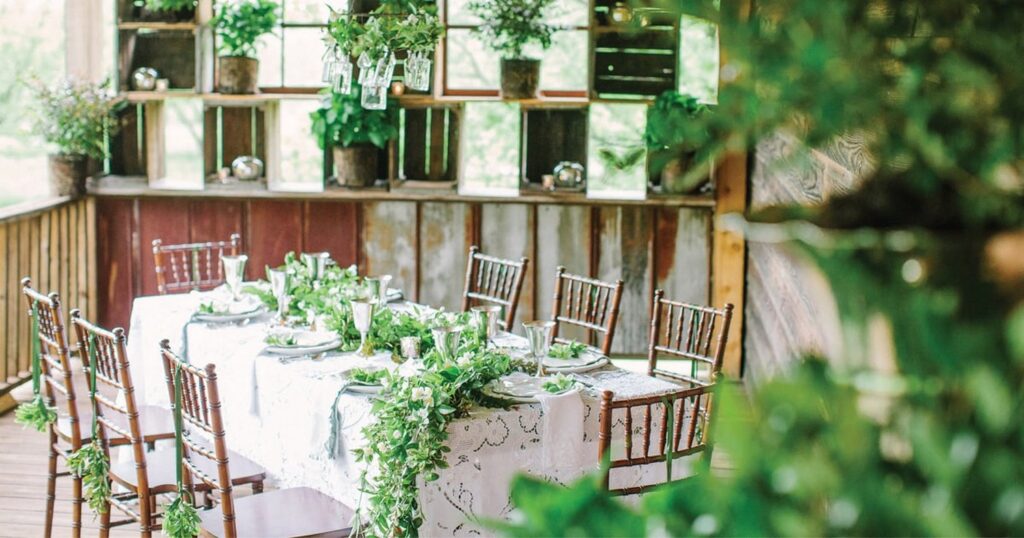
519 78
238 75
673 176
356 166
68 174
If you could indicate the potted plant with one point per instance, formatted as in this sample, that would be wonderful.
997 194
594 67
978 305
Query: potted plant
76 117
675 136
355 135
240 24
165 10
508 26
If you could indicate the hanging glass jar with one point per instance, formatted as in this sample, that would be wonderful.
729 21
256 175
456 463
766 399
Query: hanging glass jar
417 71
374 97
384 70
365 63
342 73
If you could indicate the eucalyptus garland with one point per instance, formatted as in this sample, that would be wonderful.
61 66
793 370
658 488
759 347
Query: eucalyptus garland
35 413
90 462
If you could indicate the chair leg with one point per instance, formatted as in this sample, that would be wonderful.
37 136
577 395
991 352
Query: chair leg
105 520
51 486
76 506
257 487
207 500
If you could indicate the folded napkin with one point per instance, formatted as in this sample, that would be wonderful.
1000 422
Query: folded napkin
562 432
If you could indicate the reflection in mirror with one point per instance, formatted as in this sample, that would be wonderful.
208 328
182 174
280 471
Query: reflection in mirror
616 155
182 144
301 161
489 157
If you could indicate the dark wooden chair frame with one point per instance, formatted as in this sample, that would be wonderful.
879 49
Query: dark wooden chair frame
186 263
694 420
690 332
495 281
589 303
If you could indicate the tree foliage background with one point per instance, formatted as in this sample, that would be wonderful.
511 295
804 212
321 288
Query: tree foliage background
930 246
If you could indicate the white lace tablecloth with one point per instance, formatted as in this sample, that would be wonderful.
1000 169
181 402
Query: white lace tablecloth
278 415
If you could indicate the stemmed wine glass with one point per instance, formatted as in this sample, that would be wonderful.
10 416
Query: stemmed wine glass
539 335
234 273
279 288
362 317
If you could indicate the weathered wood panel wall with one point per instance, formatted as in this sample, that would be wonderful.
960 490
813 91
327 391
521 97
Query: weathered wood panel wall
424 246
790 310
55 245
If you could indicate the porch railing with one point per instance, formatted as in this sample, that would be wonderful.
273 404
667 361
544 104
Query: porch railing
54 243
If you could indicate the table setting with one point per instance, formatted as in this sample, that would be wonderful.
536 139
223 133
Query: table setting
417 417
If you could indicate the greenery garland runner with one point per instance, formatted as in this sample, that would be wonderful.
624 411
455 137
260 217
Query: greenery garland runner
35 413
90 462
181 519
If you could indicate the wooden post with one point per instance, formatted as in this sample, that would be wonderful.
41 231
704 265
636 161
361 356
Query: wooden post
729 248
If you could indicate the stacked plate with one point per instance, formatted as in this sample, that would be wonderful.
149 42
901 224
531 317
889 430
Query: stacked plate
589 359
305 342
224 311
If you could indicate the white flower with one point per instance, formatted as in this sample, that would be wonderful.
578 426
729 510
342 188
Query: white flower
423 394
465 359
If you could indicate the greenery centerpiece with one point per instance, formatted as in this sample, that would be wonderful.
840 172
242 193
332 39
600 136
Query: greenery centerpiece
240 24
508 27
76 118
674 136
355 135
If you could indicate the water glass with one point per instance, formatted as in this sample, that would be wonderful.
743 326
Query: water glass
362 317
234 273
539 335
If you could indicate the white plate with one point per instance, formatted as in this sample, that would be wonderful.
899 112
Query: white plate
588 357
600 363
246 308
518 387
310 343
360 388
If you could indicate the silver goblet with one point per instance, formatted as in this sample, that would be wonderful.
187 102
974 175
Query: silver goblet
385 281
316 262
279 288
446 340
486 318
539 335
234 273
362 317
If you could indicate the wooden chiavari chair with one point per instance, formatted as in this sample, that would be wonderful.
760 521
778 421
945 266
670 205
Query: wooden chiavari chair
191 266
587 303
494 281
284 512
686 414
687 331
61 384
147 475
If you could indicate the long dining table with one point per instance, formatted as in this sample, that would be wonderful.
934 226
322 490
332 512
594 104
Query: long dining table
279 413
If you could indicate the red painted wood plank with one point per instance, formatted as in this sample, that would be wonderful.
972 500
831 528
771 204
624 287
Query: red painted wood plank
333 227
274 228
114 260
164 219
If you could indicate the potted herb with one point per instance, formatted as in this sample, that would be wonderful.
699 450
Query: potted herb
76 117
165 10
355 134
675 136
240 24
508 26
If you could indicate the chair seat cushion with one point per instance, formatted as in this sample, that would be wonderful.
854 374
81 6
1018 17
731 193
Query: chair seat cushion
160 470
283 513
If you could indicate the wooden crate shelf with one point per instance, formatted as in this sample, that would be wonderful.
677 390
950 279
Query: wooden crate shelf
428 143
128 146
173 53
550 135
233 131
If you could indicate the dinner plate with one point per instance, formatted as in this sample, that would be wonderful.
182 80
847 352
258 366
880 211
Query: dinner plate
588 357
309 343
518 387
358 387
600 363
246 308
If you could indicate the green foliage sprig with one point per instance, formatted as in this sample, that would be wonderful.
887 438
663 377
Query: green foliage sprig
90 463
559 384
509 26
181 519
169 5
572 350
673 121
367 377
241 23
386 29
76 117
35 414
343 121
281 340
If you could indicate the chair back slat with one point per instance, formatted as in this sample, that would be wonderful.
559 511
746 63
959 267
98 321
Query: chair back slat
201 409
690 411
592 305
495 281
55 357
687 331
192 266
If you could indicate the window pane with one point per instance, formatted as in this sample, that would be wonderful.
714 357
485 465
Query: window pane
458 14
270 60
570 13
698 58
303 49
471 65
616 160
311 11
31 44
301 158
489 158
183 144
564 65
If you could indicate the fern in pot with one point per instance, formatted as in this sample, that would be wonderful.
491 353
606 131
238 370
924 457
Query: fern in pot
509 27
355 135
675 136
76 118
240 24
